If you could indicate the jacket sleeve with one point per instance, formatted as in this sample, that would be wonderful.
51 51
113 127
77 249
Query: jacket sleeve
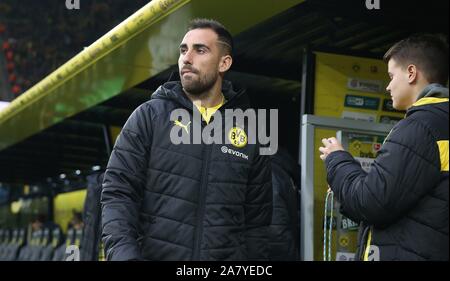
122 188
258 209
405 169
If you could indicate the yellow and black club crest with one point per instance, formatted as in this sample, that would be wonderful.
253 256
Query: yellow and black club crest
237 137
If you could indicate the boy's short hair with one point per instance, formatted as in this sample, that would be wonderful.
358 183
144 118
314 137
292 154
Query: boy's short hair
225 38
427 52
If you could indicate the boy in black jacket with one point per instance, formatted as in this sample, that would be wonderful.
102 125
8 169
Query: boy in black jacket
402 201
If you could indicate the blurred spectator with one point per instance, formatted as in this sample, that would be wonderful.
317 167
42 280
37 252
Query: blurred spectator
16 90
77 221
37 223
40 221
285 228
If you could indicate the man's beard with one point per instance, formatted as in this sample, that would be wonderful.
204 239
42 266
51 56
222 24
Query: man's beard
200 84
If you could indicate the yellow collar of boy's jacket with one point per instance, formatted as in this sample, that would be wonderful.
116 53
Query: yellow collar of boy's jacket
429 100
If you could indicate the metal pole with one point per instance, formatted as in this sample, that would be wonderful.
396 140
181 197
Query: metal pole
307 194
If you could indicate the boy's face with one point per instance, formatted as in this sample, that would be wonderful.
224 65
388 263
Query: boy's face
399 86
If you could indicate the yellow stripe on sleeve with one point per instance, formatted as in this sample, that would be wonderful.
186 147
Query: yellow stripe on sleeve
443 153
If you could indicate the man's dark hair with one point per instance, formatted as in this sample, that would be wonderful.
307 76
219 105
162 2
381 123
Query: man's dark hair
77 216
39 218
427 52
224 36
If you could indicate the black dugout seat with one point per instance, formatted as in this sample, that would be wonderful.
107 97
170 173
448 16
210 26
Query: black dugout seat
17 243
60 252
55 241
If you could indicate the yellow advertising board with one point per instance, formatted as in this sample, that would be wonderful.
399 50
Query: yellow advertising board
65 204
353 88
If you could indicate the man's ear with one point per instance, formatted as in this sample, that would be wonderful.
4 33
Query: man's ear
412 73
225 63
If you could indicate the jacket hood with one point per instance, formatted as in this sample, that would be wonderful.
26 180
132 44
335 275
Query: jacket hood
434 90
433 98
174 91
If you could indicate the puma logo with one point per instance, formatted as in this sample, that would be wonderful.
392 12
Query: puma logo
185 127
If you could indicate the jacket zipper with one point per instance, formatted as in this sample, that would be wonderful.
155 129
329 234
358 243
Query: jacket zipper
201 208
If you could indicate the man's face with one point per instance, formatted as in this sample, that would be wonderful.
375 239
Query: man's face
199 60
36 225
399 86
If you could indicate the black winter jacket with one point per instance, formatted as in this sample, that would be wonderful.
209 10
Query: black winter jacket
285 227
162 201
91 218
403 200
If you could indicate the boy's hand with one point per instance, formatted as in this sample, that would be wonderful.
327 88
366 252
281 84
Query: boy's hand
331 145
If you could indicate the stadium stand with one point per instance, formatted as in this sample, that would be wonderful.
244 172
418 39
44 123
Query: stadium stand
33 55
